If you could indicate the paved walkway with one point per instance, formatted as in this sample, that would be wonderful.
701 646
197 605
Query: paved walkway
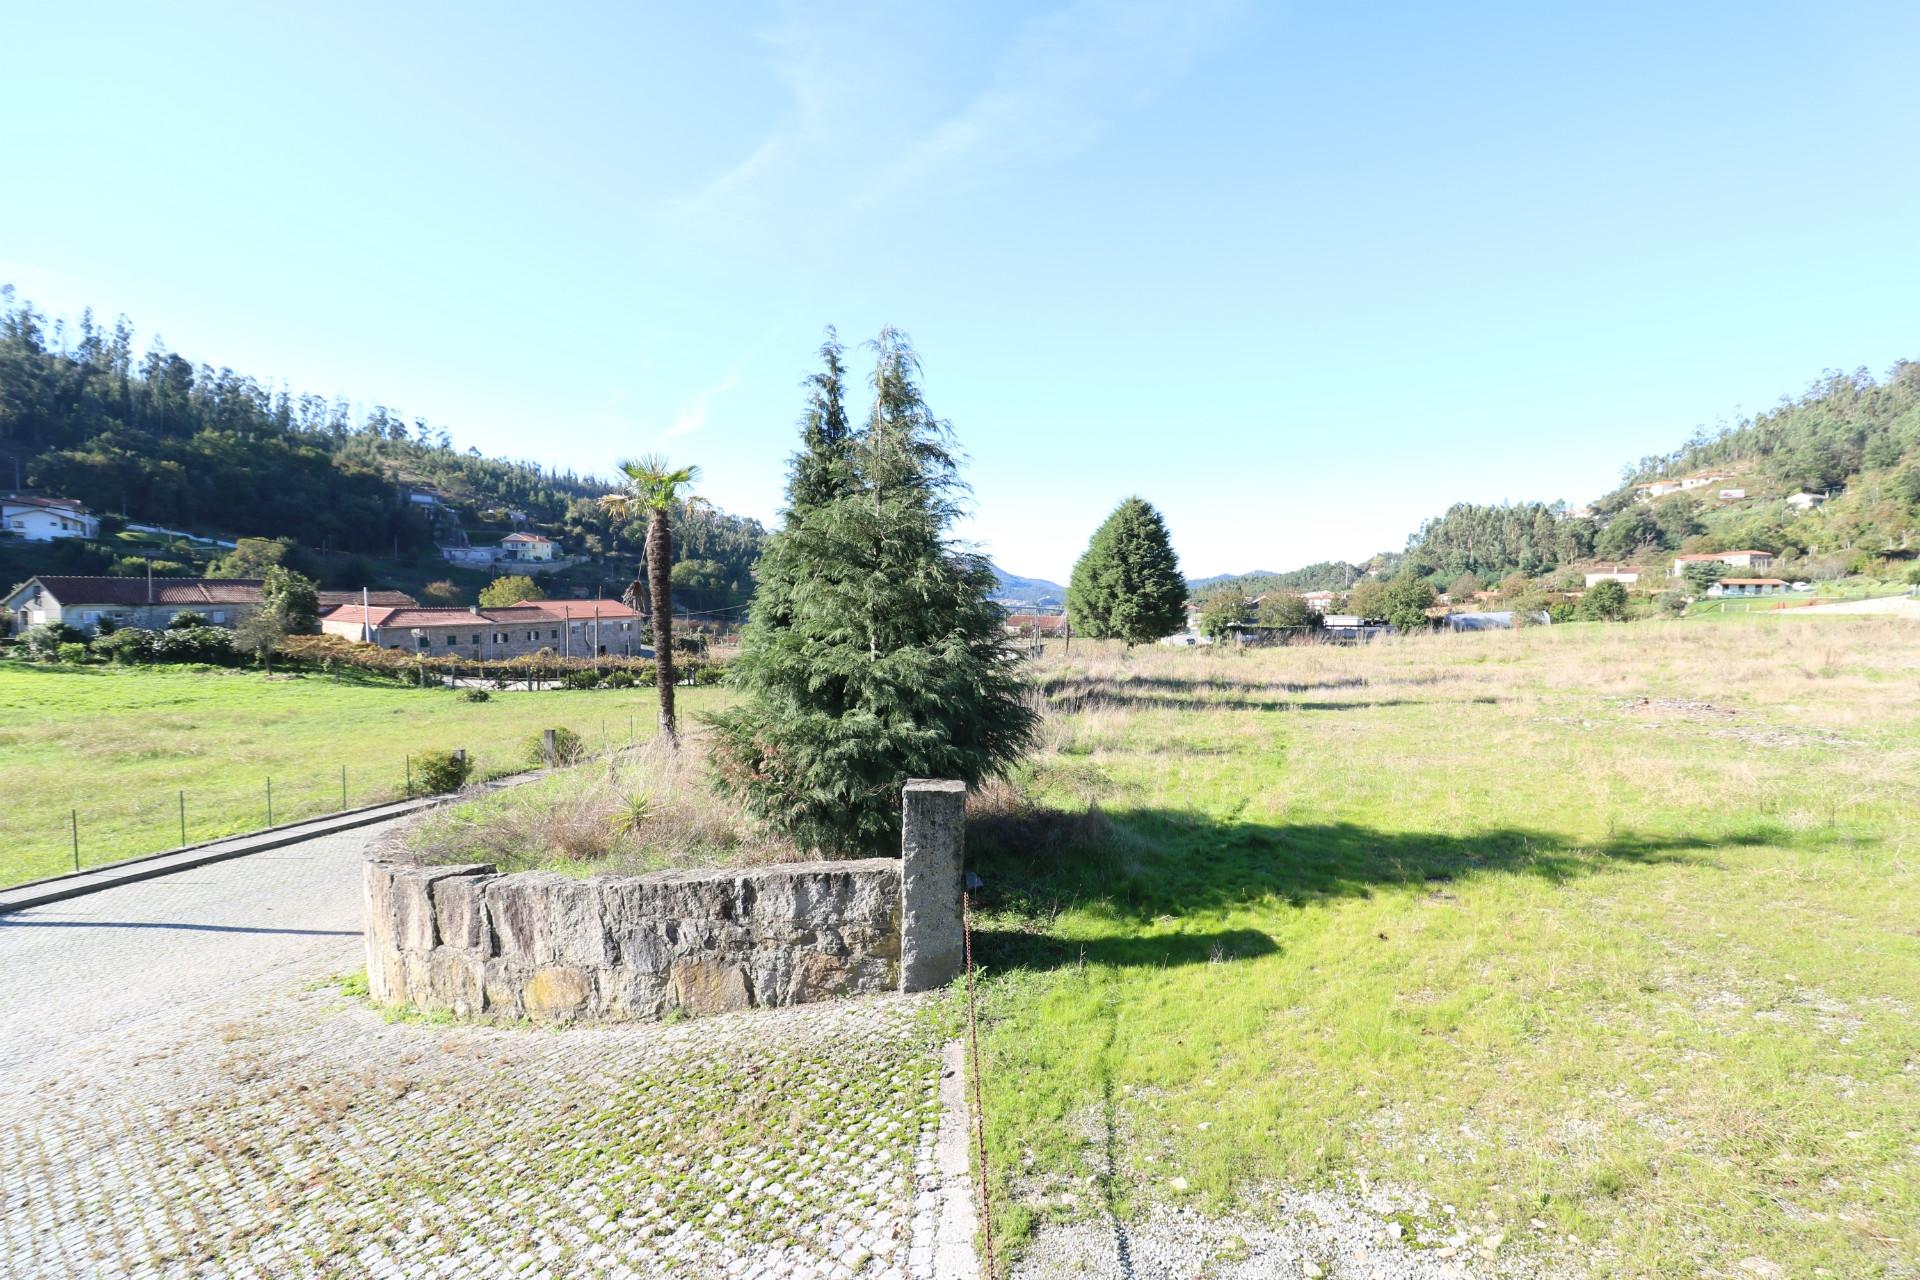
185 1091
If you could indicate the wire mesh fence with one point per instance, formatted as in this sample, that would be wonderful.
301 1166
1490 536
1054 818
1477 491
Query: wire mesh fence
222 802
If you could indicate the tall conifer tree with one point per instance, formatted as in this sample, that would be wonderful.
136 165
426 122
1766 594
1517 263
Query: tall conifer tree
1127 585
873 654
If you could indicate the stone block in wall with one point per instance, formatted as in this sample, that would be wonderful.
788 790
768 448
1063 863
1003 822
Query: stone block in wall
459 918
456 981
557 993
501 984
710 986
635 994
412 910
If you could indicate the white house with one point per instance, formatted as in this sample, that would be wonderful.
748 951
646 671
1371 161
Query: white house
1806 501
1748 559
527 546
1625 577
1318 601
1732 495
44 519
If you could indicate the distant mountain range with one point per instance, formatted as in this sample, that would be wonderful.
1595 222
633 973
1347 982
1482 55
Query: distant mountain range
1028 593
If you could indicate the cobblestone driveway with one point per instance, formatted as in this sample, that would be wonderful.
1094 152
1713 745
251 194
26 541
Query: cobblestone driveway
183 1092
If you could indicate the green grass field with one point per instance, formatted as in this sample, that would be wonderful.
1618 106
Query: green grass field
118 745
1606 936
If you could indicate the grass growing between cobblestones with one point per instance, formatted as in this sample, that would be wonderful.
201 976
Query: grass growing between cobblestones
119 745
1607 938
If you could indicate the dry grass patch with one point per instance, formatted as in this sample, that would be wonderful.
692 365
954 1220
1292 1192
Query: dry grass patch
644 809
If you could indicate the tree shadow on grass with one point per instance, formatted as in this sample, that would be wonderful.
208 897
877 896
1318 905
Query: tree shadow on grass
1120 698
1143 866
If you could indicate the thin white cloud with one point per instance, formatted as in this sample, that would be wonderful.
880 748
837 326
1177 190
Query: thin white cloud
1055 90
860 121
697 410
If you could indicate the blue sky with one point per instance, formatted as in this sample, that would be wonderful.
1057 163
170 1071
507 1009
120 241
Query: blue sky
1300 275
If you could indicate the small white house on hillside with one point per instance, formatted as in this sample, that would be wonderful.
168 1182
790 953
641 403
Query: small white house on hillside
1625 577
45 519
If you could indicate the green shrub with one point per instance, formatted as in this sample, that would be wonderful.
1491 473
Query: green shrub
129 644
42 641
194 644
582 680
71 651
187 619
436 772
620 680
568 748
474 695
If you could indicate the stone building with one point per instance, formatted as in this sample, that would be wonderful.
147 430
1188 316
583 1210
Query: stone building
568 628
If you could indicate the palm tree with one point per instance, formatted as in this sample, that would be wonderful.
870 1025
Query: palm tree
654 488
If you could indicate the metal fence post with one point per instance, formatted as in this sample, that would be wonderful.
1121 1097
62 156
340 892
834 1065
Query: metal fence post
183 819
409 777
343 786
269 801
74 816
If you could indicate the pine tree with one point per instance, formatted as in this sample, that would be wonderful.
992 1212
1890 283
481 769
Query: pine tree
1127 586
873 654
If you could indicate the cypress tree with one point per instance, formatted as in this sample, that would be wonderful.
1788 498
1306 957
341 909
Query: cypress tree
820 469
1127 586
873 654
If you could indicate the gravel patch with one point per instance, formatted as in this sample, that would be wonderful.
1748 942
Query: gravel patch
1312 1235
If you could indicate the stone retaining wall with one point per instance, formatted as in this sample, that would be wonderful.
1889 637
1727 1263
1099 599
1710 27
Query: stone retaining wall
552 948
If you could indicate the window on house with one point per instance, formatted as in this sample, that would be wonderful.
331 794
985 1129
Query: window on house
476 639
425 641
452 639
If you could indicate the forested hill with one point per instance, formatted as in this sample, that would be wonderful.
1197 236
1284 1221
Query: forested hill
1850 439
1844 425
1328 575
172 442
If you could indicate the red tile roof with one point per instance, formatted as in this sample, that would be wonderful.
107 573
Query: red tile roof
584 608
71 505
384 599
77 590
418 616
526 537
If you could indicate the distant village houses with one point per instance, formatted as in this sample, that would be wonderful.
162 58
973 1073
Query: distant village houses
84 603
46 519
515 548
1318 601
1037 624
